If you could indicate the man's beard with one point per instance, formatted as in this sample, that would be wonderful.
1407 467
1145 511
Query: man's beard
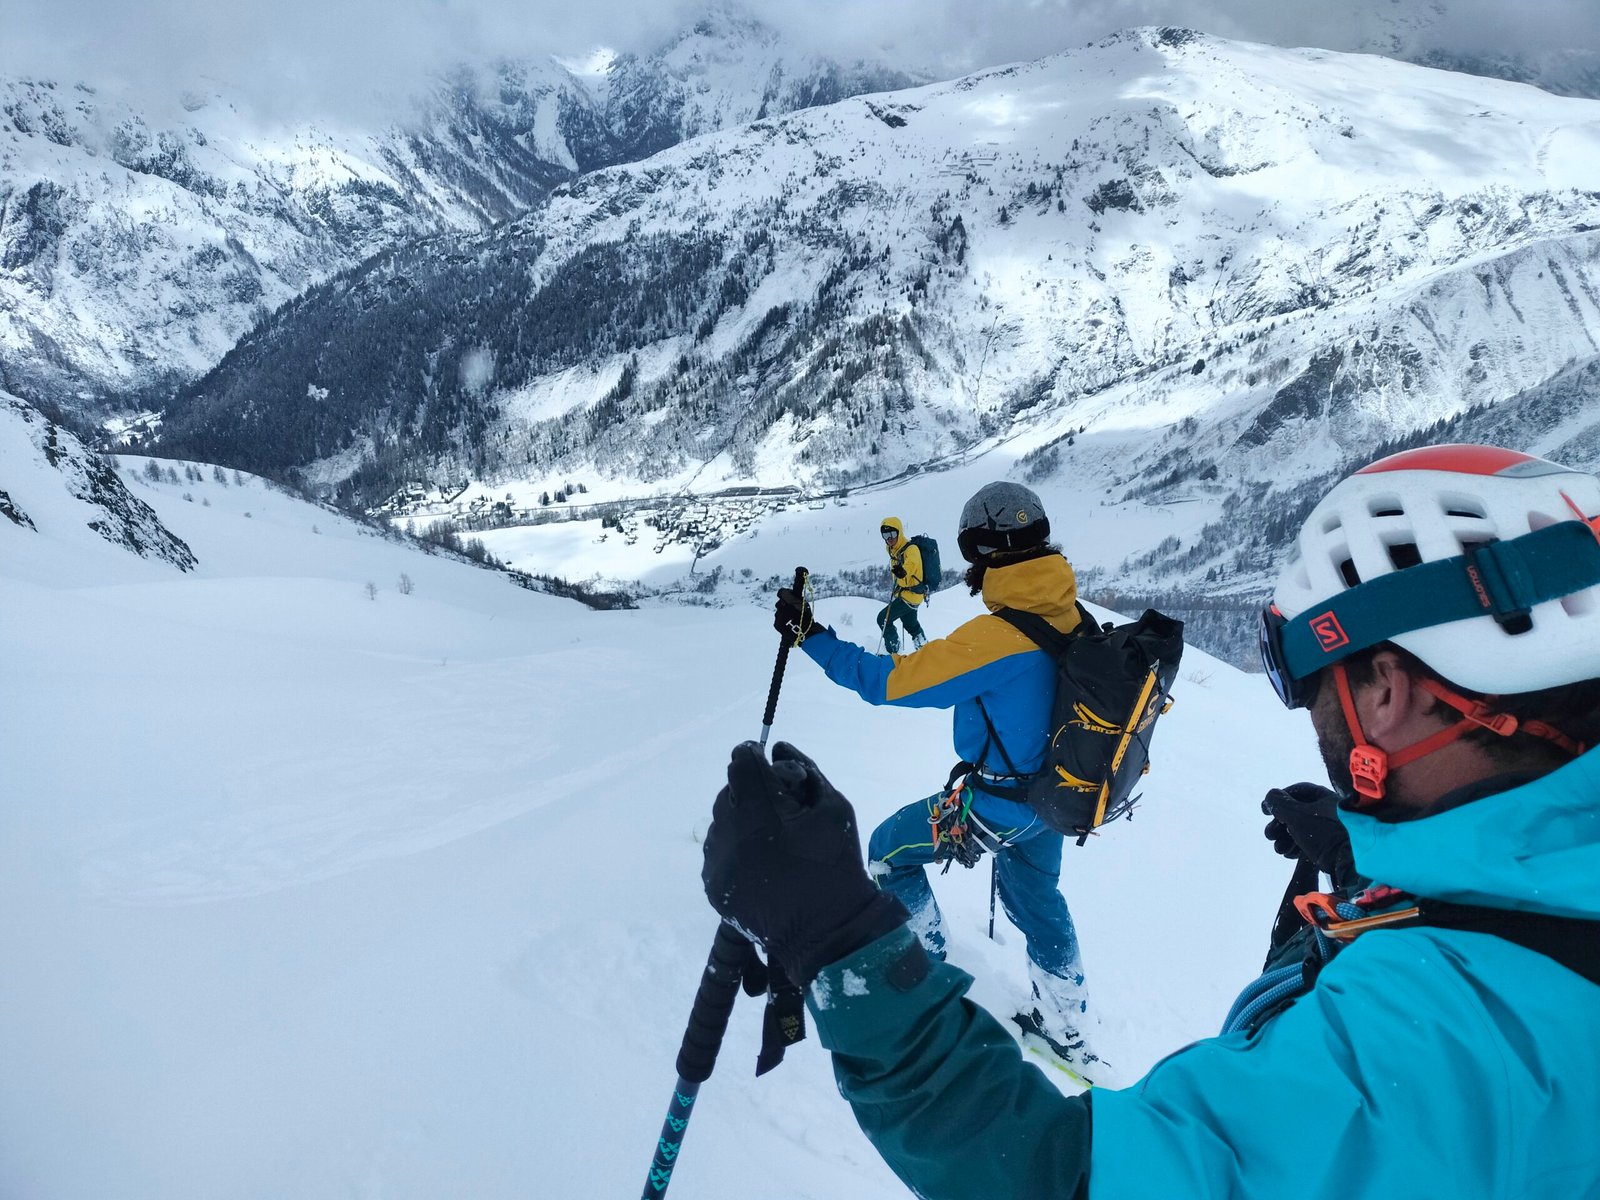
974 577
1334 739
1334 743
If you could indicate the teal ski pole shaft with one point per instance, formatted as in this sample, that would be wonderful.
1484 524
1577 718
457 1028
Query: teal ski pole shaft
697 1056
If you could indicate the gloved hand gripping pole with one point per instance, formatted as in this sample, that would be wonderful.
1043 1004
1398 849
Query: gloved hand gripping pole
732 959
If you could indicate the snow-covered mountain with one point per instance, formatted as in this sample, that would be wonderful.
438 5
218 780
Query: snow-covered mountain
726 70
1170 264
137 246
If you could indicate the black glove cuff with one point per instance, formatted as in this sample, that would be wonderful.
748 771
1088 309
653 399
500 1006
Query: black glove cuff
881 914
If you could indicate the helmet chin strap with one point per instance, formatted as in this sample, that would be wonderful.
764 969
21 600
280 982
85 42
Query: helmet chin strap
1370 766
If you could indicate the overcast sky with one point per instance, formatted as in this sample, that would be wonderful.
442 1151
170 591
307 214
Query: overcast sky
318 55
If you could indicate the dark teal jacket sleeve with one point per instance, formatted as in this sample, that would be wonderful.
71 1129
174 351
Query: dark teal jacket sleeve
939 1087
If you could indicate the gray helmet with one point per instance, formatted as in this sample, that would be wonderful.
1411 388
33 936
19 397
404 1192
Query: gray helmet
1002 518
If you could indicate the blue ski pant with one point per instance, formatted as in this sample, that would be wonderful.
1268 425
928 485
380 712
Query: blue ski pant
1027 877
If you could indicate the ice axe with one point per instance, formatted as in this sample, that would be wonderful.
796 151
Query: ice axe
733 961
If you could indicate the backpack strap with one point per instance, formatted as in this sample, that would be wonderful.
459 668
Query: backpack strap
1571 941
1049 639
992 738
1039 631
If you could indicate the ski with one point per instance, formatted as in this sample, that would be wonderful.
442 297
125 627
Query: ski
1042 1049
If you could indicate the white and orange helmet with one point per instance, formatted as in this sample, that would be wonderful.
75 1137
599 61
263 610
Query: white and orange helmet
1482 562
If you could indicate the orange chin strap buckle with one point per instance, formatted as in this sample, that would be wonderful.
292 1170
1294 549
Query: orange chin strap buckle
1369 768
1370 765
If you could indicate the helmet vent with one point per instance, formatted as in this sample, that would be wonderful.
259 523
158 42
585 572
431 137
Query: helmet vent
1385 506
1579 604
1331 523
1352 577
1404 554
1466 507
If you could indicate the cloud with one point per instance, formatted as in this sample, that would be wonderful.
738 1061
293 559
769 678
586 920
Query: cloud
290 57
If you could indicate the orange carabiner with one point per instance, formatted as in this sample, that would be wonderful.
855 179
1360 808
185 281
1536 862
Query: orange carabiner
1314 902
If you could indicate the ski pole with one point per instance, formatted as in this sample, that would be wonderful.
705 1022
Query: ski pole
883 626
731 954
697 1056
994 886
800 576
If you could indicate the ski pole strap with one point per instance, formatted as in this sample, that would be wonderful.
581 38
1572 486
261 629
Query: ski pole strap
784 1022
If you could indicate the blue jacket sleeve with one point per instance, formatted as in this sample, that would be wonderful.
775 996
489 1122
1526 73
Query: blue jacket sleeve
939 1087
977 658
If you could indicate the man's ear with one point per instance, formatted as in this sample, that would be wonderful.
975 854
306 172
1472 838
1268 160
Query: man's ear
1394 703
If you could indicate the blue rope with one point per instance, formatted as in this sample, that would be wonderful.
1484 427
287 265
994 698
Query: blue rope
1279 984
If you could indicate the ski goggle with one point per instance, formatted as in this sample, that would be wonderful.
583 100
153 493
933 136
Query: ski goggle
890 535
1295 693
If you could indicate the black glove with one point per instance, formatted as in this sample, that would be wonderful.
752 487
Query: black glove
899 571
793 617
783 863
1305 825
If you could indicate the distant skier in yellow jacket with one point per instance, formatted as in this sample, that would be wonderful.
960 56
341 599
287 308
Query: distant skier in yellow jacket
905 560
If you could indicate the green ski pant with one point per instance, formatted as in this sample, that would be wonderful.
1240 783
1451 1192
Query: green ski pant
898 610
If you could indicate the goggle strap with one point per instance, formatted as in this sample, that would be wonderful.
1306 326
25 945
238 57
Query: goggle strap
1501 579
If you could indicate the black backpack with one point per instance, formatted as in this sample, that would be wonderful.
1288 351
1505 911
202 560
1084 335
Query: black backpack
1111 685
931 574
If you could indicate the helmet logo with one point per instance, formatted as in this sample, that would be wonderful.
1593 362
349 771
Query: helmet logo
1022 516
1329 633
1474 578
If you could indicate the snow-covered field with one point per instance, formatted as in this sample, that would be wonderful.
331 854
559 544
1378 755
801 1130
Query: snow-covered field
312 894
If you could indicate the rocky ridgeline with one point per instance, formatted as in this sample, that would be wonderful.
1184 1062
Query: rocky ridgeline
113 512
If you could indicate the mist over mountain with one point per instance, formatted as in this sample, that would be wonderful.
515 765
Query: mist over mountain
136 249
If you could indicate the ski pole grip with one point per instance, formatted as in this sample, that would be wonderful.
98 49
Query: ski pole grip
800 574
708 1020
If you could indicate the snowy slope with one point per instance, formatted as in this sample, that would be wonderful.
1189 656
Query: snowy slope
312 894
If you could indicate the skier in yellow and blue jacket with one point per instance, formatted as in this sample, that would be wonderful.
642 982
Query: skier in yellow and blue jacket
910 587
1000 686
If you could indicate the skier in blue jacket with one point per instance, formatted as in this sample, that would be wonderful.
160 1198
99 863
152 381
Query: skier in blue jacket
1440 619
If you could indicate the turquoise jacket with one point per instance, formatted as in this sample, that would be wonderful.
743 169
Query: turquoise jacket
1423 1063
985 659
